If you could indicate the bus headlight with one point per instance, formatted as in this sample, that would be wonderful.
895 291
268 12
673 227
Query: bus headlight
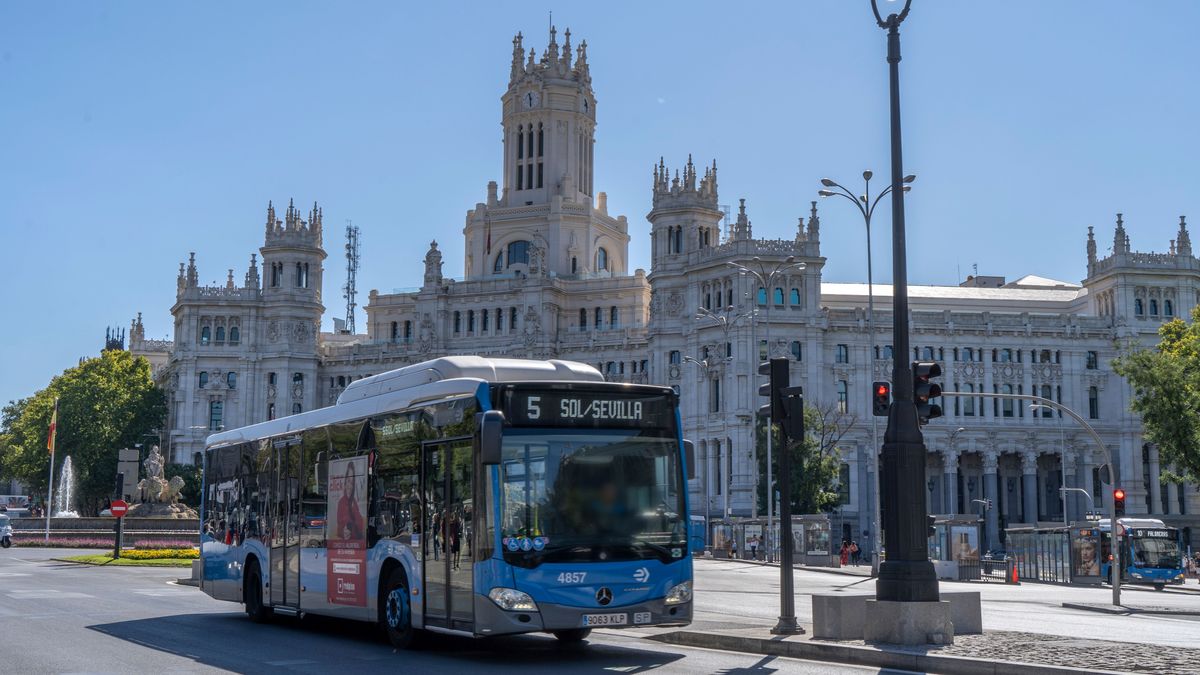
512 600
679 593
1137 575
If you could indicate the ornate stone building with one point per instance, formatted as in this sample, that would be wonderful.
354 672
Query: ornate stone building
546 274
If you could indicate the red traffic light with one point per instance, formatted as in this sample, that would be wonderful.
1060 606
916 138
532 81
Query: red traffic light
882 389
1118 494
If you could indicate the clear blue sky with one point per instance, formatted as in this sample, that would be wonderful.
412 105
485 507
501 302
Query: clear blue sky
133 133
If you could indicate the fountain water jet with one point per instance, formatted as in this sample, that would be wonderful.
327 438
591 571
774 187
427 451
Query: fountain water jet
66 490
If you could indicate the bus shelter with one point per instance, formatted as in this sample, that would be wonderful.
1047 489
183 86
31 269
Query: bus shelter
1041 553
812 539
954 546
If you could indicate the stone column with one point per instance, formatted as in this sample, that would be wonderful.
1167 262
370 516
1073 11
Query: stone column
1172 496
1155 483
1083 475
950 481
1068 478
991 489
1029 483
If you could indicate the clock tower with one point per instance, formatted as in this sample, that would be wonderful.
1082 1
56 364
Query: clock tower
549 120
547 219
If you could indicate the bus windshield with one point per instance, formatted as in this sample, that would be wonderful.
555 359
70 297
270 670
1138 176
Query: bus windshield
594 495
1156 552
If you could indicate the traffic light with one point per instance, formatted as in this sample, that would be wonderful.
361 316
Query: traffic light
929 521
881 398
989 504
779 377
924 391
120 485
1119 501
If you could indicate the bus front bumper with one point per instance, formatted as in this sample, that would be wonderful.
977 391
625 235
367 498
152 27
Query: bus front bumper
491 620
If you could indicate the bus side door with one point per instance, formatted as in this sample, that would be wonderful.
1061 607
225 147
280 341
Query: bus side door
447 476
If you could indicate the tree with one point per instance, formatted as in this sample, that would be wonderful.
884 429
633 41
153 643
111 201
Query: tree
105 403
1166 394
814 462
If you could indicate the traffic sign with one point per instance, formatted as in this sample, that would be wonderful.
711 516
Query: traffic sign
118 508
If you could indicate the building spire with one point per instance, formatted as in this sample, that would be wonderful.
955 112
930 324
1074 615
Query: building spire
252 272
1091 246
566 50
192 275
270 217
518 65
814 224
1183 239
1120 239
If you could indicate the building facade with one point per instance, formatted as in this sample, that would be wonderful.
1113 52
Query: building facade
546 275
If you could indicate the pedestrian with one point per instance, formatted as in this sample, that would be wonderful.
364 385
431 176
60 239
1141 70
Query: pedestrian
754 546
854 553
844 554
733 548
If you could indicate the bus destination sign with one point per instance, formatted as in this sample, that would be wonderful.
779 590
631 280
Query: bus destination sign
1147 533
593 409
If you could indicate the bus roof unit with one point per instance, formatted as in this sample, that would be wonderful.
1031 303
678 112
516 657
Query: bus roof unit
478 367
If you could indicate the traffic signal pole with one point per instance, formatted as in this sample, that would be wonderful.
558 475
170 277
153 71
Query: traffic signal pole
1108 458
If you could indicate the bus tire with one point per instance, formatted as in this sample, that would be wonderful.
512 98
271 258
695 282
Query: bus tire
572 636
1159 587
252 594
395 611
6 542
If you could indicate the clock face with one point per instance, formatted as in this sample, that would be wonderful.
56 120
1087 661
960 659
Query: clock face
530 99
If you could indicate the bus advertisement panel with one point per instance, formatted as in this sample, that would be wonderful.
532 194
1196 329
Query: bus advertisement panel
347 561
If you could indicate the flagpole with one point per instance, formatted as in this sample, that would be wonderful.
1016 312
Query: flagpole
50 490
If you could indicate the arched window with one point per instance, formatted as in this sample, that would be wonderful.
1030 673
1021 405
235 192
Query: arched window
795 299
778 296
205 335
887 352
408 330
215 410
203 379
1137 307
762 295
582 319
512 318
297 378
540 139
708 301
231 380
457 321
729 297
613 317
969 402
518 253
679 239
1168 308
470 321
796 349
574 265
341 381
395 330
599 318
220 333
1153 310
520 143
498 266
927 353
235 336
675 358
1007 405
483 318
601 259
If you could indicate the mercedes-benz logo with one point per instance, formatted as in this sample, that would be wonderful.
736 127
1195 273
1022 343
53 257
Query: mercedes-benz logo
604 595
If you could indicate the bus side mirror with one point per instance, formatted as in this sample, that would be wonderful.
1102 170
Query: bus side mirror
689 455
491 426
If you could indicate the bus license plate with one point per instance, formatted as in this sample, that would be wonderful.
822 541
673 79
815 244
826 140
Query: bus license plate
605 619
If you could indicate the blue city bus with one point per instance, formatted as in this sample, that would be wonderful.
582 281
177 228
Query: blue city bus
462 495
1151 552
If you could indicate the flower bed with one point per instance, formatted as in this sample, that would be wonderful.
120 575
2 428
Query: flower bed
39 540
162 553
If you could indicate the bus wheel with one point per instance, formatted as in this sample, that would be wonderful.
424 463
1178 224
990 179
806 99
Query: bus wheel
572 636
252 595
1159 587
395 611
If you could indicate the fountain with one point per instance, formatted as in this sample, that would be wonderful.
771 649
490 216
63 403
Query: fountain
66 489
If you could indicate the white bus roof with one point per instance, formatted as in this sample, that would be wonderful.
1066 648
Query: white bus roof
439 379
1103 523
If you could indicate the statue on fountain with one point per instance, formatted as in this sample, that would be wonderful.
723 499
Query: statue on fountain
157 496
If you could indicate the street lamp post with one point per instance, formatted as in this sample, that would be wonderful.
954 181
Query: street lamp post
866 207
1062 464
766 278
907 575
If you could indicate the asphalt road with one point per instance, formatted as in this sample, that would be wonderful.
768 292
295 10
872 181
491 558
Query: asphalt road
67 618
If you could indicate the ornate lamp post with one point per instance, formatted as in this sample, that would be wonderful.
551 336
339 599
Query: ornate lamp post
866 207
906 575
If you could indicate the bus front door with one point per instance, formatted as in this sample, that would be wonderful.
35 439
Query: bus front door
448 474
285 527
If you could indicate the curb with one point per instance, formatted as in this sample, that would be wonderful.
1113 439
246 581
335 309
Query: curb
873 657
809 568
1127 611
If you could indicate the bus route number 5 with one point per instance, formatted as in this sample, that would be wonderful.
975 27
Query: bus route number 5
533 410
571 577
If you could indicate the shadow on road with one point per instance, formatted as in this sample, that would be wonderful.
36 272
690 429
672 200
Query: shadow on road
318 644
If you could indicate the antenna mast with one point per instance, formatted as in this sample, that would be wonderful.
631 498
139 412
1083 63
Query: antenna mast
348 291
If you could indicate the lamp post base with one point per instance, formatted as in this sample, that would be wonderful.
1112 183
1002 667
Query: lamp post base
787 626
907 581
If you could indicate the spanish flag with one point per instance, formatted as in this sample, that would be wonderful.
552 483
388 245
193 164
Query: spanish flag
53 429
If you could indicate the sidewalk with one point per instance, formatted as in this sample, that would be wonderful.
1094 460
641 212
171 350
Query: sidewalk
849 571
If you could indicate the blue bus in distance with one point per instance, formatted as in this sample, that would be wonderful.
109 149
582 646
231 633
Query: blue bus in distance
464 495
1151 552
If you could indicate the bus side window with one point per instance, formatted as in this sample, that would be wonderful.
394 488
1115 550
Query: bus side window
313 477
396 488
